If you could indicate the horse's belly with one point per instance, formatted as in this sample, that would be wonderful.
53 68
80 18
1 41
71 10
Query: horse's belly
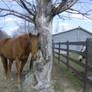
6 52
8 55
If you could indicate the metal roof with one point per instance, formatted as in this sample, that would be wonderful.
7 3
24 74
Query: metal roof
79 28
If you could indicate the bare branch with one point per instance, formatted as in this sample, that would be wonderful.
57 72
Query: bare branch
5 4
33 8
32 5
15 13
62 6
25 7
74 11
46 7
18 2
22 17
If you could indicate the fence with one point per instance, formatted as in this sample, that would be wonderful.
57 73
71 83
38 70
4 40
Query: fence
86 75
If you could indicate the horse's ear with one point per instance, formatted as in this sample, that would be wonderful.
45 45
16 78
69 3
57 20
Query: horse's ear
38 34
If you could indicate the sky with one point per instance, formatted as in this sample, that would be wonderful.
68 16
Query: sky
10 23
60 25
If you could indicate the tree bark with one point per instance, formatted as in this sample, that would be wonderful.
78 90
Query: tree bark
40 76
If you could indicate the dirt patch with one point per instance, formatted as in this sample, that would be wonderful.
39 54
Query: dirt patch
6 85
61 82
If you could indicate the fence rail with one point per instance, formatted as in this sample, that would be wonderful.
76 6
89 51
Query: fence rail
86 76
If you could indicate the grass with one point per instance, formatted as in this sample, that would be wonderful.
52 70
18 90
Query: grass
19 91
68 73
58 87
74 65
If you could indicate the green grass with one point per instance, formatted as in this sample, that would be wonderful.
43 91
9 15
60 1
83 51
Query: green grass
71 76
58 87
74 65
68 73
19 90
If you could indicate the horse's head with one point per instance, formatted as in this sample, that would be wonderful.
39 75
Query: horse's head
34 44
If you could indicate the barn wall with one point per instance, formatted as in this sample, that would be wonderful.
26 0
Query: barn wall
74 35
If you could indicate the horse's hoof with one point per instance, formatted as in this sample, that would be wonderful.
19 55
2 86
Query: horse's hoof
5 77
11 79
19 86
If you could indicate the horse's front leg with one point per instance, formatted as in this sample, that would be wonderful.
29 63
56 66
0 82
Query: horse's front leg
9 68
18 71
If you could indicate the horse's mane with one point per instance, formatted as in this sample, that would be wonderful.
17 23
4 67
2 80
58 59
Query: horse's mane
23 35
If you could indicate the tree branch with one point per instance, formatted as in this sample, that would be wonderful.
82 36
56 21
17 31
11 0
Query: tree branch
32 5
33 8
74 11
18 2
63 6
25 7
15 13
5 4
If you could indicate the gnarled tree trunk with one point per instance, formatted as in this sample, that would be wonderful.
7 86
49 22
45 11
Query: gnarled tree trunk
40 77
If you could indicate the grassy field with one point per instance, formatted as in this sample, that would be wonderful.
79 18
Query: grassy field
69 74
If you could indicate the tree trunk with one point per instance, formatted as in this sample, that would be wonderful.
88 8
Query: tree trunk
40 77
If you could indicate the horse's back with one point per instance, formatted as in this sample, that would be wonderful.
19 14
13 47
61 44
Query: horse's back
3 42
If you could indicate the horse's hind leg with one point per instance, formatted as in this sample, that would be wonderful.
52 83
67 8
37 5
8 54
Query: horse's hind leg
9 68
22 65
31 64
5 65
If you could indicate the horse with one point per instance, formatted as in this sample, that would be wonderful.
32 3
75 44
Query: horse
18 49
81 57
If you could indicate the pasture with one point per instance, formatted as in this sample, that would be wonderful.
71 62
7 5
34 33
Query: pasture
69 57
7 85
62 83
67 79
70 75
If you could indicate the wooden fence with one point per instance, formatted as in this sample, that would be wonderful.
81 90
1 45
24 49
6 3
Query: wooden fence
86 75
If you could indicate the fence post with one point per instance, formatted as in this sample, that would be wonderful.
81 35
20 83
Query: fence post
53 48
67 54
88 74
59 52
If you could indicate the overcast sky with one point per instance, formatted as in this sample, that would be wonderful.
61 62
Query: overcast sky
60 25
9 24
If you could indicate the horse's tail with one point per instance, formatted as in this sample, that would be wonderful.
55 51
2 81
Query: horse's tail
5 63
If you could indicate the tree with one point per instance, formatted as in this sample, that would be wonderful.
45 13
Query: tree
41 14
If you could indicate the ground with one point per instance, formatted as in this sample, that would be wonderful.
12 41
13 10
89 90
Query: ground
61 82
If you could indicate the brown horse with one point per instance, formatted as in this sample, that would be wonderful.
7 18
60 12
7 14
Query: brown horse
18 49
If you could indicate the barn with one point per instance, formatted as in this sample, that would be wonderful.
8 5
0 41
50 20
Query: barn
73 35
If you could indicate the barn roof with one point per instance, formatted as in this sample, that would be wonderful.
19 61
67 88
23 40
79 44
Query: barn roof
78 28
